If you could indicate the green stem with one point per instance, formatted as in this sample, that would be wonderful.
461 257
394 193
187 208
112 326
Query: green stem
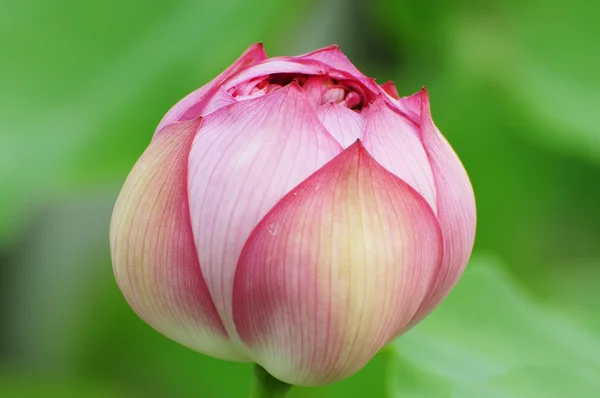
266 386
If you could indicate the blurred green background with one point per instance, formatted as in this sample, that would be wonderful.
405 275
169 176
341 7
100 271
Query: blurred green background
515 87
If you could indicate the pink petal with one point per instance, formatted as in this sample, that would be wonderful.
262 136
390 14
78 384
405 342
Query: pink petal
245 158
197 99
219 99
153 250
315 87
390 89
345 125
333 94
334 58
366 85
336 65
274 66
409 106
455 210
370 91
336 269
395 143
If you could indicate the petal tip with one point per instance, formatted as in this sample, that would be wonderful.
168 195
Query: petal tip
258 46
378 104
390 89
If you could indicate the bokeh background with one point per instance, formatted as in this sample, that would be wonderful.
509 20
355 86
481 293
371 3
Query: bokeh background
515 87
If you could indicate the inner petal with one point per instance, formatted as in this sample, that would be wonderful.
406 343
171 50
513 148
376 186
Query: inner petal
395 143
241 158
321 88
345 125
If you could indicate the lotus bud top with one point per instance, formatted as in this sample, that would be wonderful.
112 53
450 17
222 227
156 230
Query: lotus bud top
295 214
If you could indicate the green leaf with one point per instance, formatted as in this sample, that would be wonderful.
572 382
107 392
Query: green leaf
489 337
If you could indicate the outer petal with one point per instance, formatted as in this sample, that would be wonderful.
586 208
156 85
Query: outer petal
218 99
390 89
243 161
333 57
345 125
455 210
153 251
409 106
198 99
335 270
395 143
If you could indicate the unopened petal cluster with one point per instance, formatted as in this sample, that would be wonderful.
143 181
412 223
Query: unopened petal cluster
293 213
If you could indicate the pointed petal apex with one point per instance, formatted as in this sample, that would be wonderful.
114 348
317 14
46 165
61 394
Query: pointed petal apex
410 106
390 88
245 158
198 99
394 141
334 58
455 209
412 103
345 125
334 270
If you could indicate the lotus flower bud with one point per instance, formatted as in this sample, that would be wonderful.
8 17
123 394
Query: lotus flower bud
295 214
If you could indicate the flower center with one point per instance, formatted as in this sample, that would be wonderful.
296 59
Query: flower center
321 89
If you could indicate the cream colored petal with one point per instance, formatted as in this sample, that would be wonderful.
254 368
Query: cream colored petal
153 251
335 270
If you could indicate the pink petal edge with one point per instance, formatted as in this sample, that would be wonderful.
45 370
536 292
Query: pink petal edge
345 125
245 158
334 58
153 252
455 210
390 89
396 144
197 99
335 270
